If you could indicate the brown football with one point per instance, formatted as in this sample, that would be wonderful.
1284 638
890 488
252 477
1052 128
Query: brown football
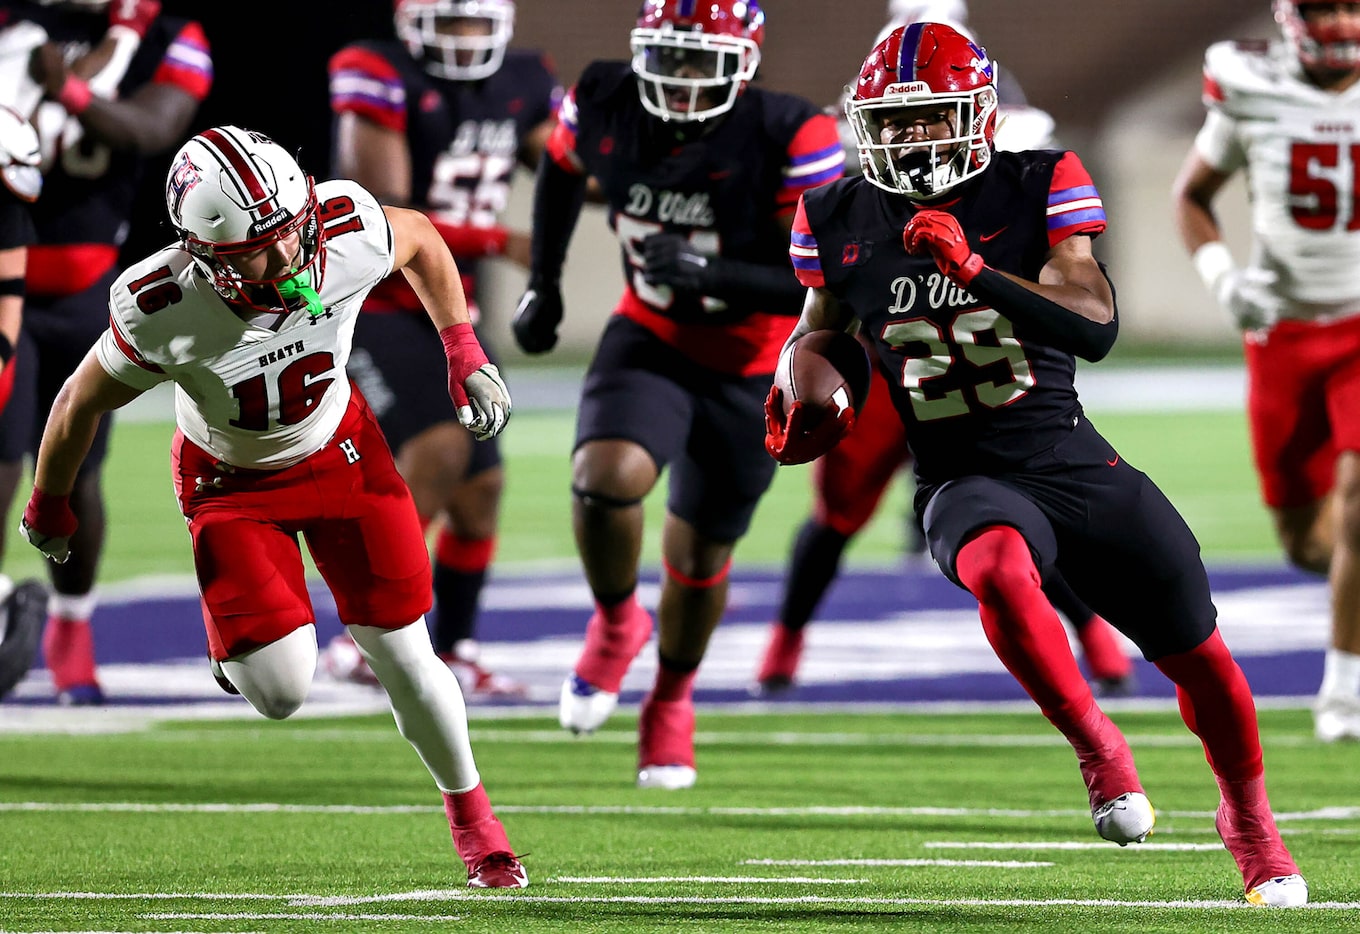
827 371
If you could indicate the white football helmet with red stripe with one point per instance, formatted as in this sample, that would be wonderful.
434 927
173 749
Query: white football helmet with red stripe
461 40
1330 42
233 192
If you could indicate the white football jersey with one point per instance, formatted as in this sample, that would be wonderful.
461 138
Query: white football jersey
248 394
1300 148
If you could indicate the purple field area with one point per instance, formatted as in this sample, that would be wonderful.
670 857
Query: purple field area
888 636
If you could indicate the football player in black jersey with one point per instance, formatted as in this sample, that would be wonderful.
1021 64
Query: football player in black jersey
23 608
107 85
701 173
438 120
972 271
849 481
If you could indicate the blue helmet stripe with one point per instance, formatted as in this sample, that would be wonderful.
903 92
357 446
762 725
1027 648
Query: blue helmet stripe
906 55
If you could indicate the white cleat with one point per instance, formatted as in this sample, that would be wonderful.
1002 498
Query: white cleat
1281 892
1336 717
1127 819
583 708
669 777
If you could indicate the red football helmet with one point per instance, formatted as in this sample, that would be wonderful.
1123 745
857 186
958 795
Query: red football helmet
927 65
1333 44
693 58
430 30
232 193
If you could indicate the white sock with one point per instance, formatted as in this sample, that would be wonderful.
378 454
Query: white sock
426 700
1340 675
78 607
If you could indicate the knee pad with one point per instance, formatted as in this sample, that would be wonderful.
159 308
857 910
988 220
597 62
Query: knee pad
275 677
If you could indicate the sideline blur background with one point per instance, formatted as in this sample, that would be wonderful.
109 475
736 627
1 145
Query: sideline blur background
1122 80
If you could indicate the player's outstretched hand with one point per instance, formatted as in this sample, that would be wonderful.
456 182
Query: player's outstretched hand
1246 296
670 259
48 524
536 318
480 398
790 441
939 233
488 406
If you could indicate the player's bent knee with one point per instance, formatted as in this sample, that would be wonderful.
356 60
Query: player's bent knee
275 678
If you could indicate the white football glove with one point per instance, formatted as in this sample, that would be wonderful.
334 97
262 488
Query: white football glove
488 407
1245 294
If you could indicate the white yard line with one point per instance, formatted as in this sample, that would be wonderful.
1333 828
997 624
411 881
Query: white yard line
1320 814
979 863
1067 845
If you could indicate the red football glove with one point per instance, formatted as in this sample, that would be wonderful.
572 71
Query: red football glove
940 233
134 14
791 442
479 394
48 524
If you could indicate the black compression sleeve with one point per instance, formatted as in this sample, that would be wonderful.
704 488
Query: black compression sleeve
1063 329
736 281
558 195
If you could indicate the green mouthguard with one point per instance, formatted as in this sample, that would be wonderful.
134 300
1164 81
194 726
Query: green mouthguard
300 287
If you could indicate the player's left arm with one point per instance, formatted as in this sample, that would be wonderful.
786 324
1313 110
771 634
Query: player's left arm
814 157
479 395
154 117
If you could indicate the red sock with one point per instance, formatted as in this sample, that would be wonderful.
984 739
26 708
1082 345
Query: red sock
1216 704
614 636
673 685
476 829
68 650
1104 656
1026 634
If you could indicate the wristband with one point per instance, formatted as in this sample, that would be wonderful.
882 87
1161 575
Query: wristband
1213 260
462 349
75 95
50 514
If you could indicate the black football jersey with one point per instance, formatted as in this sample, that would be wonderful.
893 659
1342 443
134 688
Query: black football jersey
88 192
730 187
977 392
465 137
16 226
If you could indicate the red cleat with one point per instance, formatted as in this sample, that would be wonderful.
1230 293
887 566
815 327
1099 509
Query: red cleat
666 744
780 664
1247 828
478 683
499 870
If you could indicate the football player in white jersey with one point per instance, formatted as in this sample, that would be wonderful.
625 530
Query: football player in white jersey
251 315
1288 114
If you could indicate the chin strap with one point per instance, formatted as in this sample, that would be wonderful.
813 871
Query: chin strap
300 288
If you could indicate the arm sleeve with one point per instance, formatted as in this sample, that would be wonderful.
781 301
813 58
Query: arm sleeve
558 196
362 82
1063 329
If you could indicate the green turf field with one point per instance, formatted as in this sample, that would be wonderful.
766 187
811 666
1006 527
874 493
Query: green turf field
1200 459
800 822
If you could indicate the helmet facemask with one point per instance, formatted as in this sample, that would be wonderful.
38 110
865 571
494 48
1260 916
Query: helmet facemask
923 169
293 288
691 76
457 54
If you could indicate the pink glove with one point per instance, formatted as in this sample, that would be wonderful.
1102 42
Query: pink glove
48 524
134 14
465 355
939 233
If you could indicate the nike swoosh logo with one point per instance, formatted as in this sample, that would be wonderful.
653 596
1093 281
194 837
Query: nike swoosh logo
992 236
1113 462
